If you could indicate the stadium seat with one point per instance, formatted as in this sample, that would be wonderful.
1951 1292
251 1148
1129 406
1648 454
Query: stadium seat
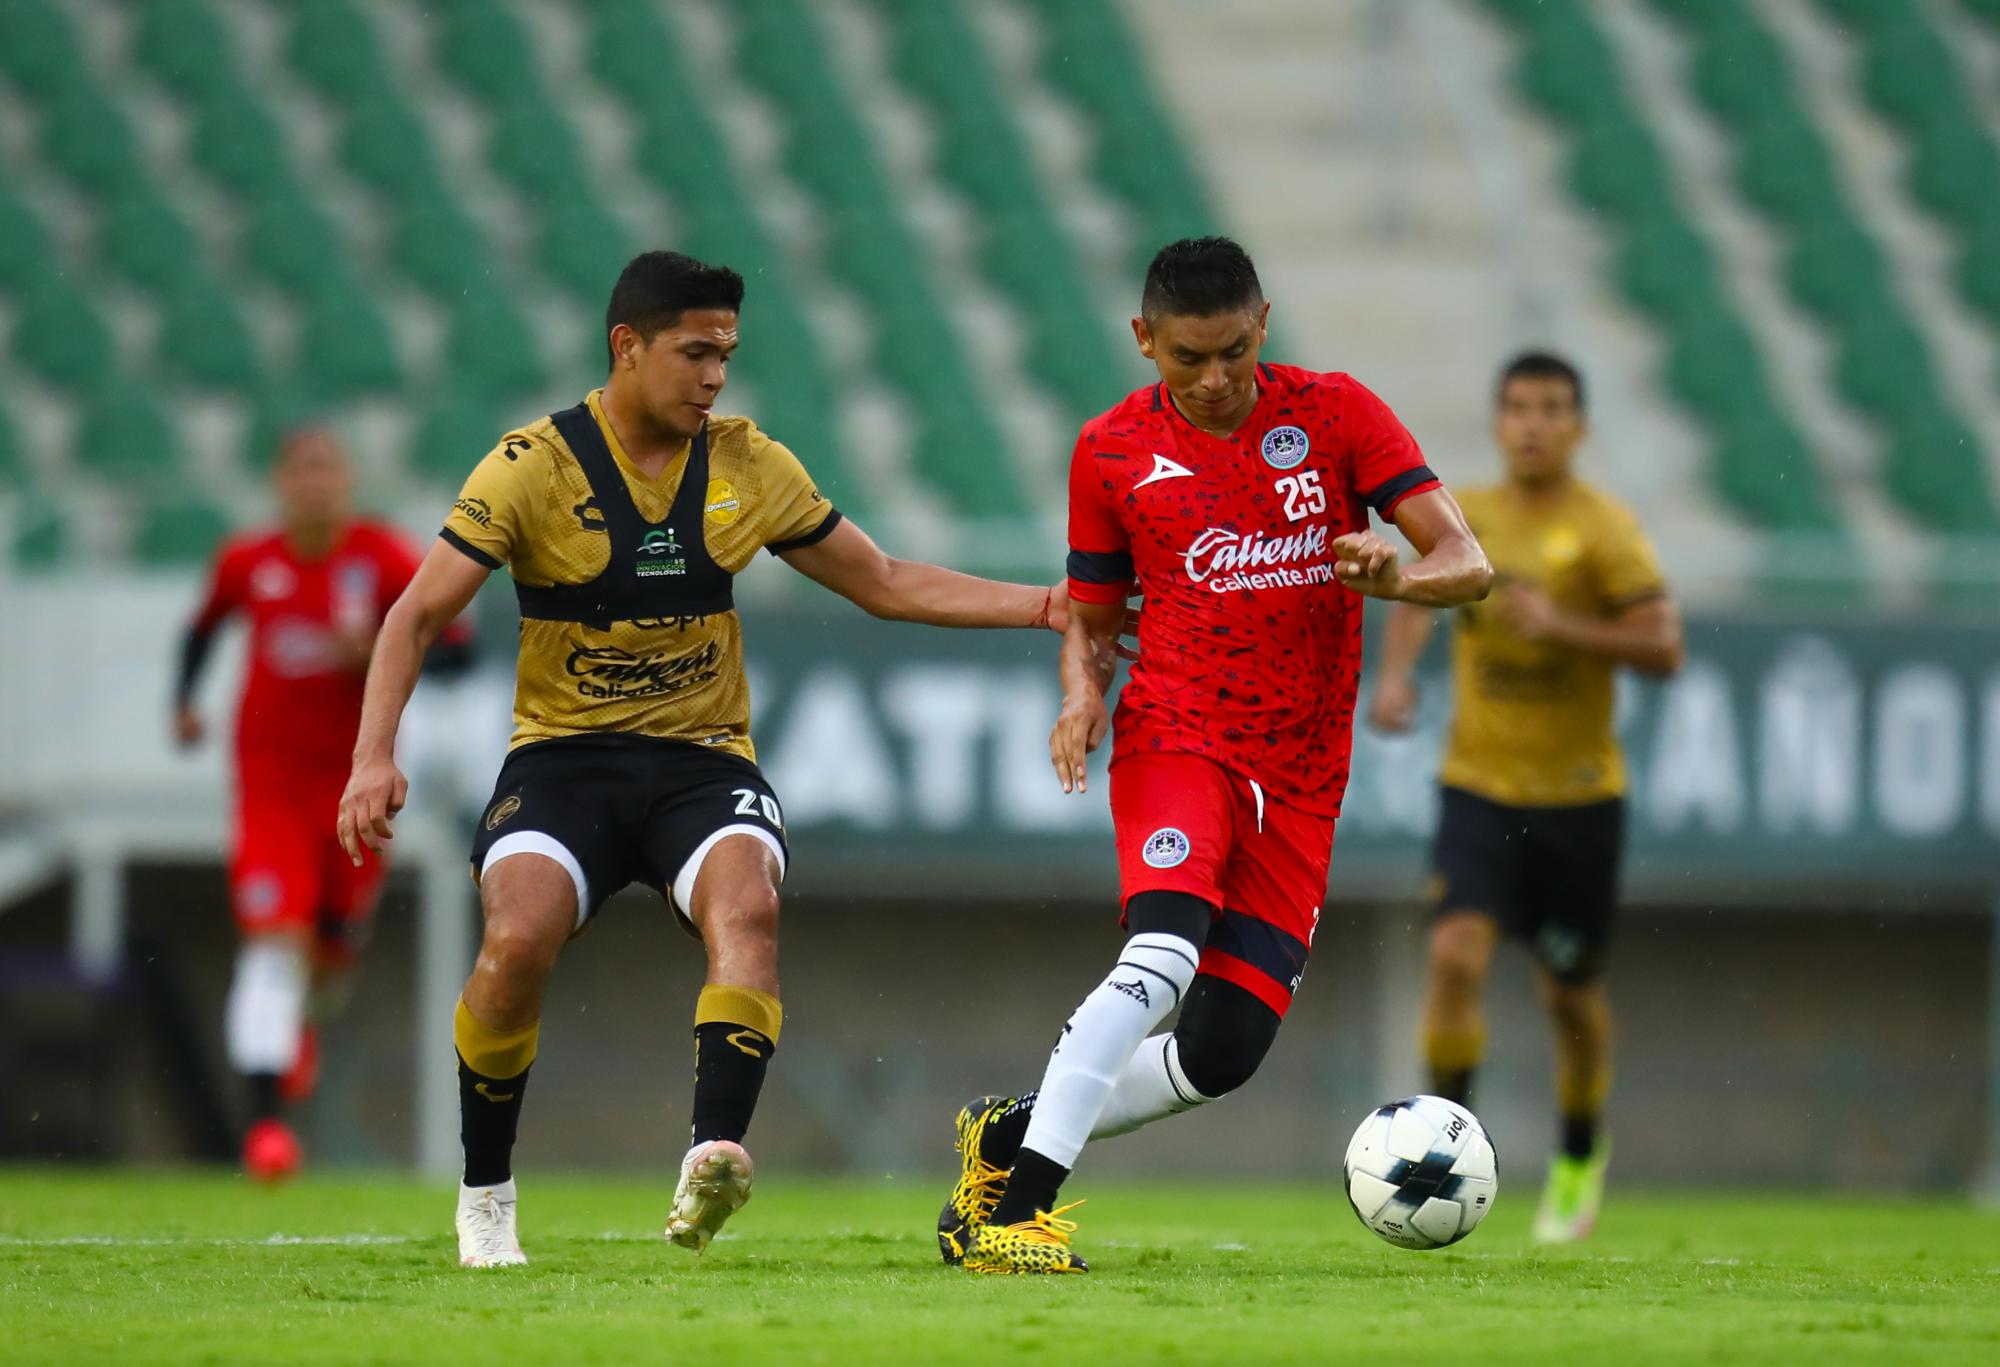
124 437
455 429
1738 71
182 531
282 403
1836 271
1616 168
1954 171
25 252
203 339
1978 269
143 240
86 141
582 246
483 49
1884 368
1934 468
345 344
532 147
333 46
436 245
1761 465
1782 167
59 335
1666 269
1568 69
1907 71
492 346
237 142
633 52
386 147
289 243
41 538
39 53
181 44
1715 368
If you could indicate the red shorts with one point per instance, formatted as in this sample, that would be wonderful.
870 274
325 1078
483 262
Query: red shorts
1186 824
289 872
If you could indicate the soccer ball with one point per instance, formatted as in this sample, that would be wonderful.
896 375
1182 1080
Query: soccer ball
1421 1172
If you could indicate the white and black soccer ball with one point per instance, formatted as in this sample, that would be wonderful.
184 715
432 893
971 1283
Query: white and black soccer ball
1421 1172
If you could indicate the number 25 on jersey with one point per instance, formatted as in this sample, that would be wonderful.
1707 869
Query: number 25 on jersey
1304 496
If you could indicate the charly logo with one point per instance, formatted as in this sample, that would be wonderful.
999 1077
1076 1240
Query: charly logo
589 516
721 507
476 510
1285 447
502 809
660 553
1166 848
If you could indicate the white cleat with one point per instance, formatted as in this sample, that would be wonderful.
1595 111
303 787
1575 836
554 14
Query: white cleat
486 1236
715 1182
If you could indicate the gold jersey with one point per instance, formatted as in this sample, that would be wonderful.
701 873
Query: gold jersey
627 619
1532 724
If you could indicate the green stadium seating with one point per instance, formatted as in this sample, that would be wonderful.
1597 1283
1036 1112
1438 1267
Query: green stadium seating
237 142
386 147
1715 368
86 141
582 247
1988 10
289 243
179 531
203 339
1906 72
124 437
14 471
1616 168
59 336
1666 269
333 46
1954 172
492 345
1884 368
455 429
1836 271
281 403
1783 168
436 245
532 147
1979 270
143 240
41 538
632 52
181 44
345 344
1865 17
1934 468
39 53
1737 72
483 49
1568 69
25 253
1764 469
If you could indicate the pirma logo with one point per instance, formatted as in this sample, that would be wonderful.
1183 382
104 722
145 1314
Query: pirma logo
1165 848
660 553
1285 447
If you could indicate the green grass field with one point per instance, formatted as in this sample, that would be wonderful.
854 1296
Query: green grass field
153 1267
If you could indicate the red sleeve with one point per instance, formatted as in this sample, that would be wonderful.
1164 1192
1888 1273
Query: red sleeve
1100 553
225 587
1384 461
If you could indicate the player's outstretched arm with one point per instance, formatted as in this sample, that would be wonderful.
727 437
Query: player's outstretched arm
1394 706
442 588
1090 652
849 562
1645 636
1451 569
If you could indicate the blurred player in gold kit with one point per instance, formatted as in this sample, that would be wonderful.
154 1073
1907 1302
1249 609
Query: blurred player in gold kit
1532 826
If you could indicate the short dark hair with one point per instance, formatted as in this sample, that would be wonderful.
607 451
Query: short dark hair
656 288
1200 277
1540 365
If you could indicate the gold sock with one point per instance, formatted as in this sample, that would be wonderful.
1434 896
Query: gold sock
496 1054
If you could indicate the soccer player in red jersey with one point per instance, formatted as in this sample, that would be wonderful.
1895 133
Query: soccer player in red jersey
1236 494
314 590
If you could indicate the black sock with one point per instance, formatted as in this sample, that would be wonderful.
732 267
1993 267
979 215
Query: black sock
729 1065
1579 1135
265 1103
1455 1085
489 1115
1001 1139
1031 1186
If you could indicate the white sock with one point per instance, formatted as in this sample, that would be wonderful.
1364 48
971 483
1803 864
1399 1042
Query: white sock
1151 975
1151 1086
267 1000
503 1192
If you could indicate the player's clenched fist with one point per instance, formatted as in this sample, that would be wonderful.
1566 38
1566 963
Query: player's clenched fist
375 793
1367 564
1079 731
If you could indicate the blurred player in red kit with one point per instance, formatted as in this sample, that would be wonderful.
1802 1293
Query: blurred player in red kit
1236 495
313 590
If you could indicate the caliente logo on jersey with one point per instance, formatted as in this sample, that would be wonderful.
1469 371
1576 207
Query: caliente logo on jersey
1227 561
1285 447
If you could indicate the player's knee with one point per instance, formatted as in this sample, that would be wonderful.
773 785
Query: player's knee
1461 949
1576 1008
1222 1037
520 947
743 916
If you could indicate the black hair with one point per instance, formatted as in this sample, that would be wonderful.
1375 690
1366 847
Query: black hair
1540 365
656 288
1200 277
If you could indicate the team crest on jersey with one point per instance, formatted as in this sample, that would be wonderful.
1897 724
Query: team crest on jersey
1285 447
722 506
502 809
1165 848
659 553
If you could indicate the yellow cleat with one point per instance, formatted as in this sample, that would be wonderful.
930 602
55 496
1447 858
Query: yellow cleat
1031 1248
979 1182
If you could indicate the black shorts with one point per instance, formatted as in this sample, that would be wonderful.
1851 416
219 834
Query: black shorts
1548 875
618 809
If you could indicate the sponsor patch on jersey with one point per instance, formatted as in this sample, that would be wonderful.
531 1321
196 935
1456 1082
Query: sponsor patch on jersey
502 809
721 507
1285 447
1166 848
1164 469
660 553
476 510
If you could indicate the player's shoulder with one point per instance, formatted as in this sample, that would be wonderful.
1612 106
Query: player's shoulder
1601 506
1127 424
249 545
739 435
380 537
1332 390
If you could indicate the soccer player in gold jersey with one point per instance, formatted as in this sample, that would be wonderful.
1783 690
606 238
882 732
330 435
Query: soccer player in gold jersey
1532 825
623 521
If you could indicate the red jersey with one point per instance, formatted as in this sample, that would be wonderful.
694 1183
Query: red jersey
1250 648
299 706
